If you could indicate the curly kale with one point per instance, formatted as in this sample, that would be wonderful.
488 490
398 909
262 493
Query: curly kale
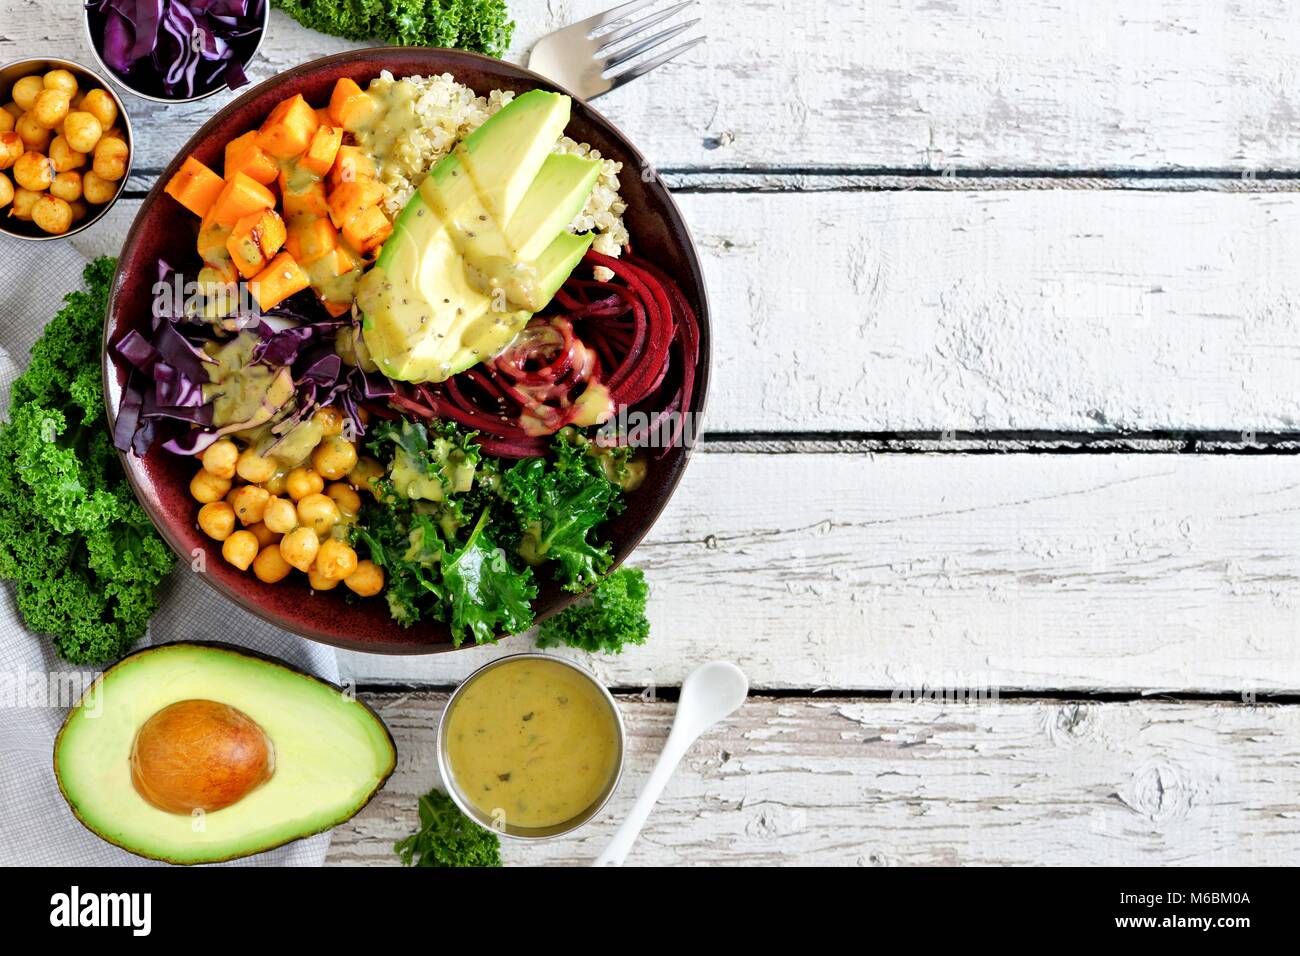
613 618
480 25
84 559
447 837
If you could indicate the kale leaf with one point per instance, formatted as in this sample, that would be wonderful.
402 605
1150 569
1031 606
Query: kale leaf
613 618
481 25
447 837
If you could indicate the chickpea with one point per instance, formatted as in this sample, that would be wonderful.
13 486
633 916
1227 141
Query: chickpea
280 515
303 482
11 147
207 487
253 468
250 503
318 512
96 190
367 580
270 566
364 472
34 171
50 108
275 484
240 549
52 214
64 157
7 121
60 80
6 189
219 458
67 186
82 130
101 106
330 420
299 547
217 520
264 535
335 560
79 210
26 90
110 158
334 457
13 109
318 581
24 201
348 501
34 135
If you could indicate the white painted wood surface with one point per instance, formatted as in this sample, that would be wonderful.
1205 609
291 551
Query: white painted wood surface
876 783
900 84
1068 310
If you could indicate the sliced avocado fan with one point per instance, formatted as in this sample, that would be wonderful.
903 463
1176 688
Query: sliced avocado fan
480 247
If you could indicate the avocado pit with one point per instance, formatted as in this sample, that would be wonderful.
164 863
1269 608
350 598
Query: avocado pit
199 755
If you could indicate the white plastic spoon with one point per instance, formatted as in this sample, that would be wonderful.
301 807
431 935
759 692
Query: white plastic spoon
710 693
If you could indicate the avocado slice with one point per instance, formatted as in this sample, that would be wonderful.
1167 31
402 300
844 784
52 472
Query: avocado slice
331 753
480 247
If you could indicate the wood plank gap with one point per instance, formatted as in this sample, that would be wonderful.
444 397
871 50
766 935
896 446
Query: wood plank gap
1002 443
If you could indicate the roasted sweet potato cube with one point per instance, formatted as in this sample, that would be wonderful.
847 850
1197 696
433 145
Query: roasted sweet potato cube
281 278
254 240
212 240
289 128
309 238
322 149
243 155
350 199
195 186
350 164
241 196
351 106
303 200
367 229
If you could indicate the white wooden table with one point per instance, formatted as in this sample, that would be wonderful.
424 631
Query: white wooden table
1006 397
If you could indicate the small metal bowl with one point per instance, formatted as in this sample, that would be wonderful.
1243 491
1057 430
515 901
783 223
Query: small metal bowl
93 39
10 74
528 833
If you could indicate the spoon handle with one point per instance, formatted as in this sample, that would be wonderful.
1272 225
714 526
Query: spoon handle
674 749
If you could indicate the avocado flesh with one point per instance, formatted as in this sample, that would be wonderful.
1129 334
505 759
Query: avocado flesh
332 754
480 247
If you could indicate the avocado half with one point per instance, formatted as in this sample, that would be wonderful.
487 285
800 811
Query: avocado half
332 753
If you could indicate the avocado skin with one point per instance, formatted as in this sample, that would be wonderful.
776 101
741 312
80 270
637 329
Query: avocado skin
223 647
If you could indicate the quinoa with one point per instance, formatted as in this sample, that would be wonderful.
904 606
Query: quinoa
449 112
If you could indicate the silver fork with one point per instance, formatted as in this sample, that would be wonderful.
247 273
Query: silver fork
596 55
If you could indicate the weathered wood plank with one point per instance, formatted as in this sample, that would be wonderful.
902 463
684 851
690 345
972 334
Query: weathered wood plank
895 84
1121 572
845 782
1059 311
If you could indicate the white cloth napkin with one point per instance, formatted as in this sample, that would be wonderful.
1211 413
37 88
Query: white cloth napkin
36 826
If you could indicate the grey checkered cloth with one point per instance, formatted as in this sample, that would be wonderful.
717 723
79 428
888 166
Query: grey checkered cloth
36 827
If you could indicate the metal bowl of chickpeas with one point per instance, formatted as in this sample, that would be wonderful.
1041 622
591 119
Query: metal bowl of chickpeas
65 148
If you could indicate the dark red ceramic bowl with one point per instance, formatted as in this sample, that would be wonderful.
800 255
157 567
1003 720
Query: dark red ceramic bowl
162 229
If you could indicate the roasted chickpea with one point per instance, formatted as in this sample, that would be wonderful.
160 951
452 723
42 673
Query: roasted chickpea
207 487
110 158
101 106
24 202
34 135
6 189
7 121
367 580
51 107
270 566
275 484
299 547
217 520
303 482
52 214
334 457
280 515
64 157
318 512
220 457
335 560
26 90
33 171
318 581
96 190
11 147
79 210
82 130
364 472
66 186
60 80
13 109
250 503
240 549
264 534
348 501
330 420
254 468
